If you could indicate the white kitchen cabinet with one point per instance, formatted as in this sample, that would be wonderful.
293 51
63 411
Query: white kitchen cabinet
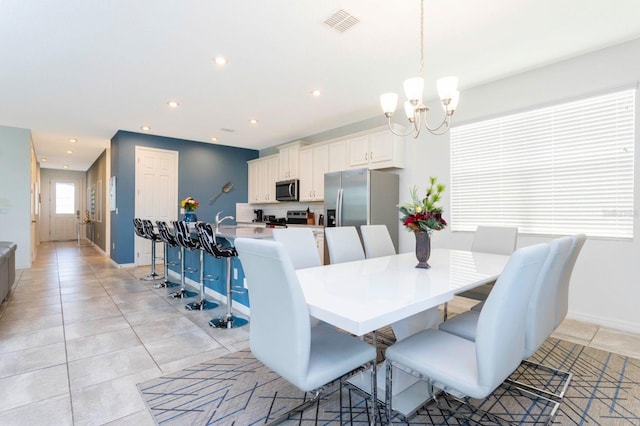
338 156
289 162
254 181
263 174
378 150
314 163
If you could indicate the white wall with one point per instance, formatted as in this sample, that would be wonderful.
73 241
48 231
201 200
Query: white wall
15 191
605 285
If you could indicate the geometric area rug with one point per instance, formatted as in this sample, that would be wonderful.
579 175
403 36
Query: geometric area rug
236 389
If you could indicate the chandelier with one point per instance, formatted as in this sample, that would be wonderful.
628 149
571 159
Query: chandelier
414 108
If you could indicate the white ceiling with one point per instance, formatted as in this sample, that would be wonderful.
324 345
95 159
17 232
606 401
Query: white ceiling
87 68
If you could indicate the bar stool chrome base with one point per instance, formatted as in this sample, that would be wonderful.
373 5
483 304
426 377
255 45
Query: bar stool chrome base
201 305
228 321
183 294
152 277
167 284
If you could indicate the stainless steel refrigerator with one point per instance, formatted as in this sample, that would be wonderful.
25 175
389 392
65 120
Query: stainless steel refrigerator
362 197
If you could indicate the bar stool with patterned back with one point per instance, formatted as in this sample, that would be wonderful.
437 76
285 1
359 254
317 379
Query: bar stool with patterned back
138 228
212 247
154 237
202 304
169 240
181 232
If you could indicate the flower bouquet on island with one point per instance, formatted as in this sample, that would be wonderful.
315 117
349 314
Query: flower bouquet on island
189 204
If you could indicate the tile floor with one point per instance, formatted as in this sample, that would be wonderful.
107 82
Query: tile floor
78 334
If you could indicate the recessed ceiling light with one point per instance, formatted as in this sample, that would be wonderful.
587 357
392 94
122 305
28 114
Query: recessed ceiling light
220 60
316 92
73 140
65 166
69 151
214 139
173 104
253 121
145 128
43 159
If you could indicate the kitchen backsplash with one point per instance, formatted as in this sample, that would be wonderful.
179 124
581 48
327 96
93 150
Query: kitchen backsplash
245 213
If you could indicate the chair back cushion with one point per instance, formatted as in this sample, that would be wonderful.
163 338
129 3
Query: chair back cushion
183 235
495 239
562 299
301 246
280 328
344 244
541 310
165 234
138 227
501 325
377 241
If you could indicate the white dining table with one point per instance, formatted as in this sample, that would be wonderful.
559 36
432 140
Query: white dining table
363 296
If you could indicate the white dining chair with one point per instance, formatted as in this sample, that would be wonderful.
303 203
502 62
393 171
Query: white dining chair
489 239
343 244
376 241
301 246
475 368
281 335
540 313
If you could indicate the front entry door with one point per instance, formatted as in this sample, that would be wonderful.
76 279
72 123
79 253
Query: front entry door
156 193
65 209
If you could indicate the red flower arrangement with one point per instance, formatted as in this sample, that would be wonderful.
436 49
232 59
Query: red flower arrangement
423 214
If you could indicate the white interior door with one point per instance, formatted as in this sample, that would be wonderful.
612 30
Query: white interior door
65 209
156 193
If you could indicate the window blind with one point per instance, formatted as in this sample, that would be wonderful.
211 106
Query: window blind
557 170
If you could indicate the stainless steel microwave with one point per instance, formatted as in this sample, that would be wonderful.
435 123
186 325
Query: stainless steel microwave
288 190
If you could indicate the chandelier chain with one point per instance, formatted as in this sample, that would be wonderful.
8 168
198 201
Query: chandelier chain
421 37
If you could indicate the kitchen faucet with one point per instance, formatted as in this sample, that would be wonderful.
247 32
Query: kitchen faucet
219 221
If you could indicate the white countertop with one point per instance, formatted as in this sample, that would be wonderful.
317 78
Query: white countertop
233 232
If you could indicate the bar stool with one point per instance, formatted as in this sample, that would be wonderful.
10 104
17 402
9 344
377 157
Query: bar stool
138 227
181 232
152 236
169 241
209 243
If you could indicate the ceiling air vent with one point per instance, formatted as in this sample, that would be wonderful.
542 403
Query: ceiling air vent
341 21
224 129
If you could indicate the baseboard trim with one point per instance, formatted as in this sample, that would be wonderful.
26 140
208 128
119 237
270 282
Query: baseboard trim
631 327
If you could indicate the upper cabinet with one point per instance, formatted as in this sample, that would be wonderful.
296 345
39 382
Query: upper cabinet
263 174
289 166
314 163
379 150
338 156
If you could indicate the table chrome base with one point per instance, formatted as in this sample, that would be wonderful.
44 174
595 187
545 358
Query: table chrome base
201 305
183 294
228 321
167 284
410 394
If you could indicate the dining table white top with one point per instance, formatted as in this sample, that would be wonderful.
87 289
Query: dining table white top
365 295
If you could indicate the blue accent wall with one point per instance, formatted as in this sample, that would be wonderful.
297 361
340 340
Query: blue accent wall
202 172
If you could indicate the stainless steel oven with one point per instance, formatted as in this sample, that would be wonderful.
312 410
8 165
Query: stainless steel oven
288 190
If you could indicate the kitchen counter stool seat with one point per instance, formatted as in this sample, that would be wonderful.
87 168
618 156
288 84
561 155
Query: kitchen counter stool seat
169 240
210 245
185 242
140 228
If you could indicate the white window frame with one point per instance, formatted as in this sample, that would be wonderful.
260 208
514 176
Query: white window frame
558 170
